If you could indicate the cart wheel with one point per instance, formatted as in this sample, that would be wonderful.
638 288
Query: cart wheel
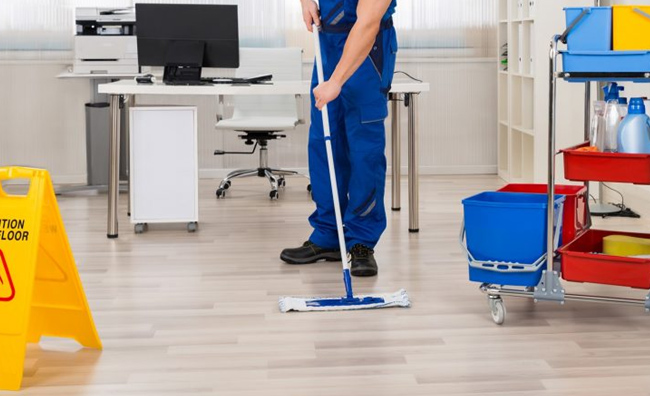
140 228
274 194
498 310
192 226
221 193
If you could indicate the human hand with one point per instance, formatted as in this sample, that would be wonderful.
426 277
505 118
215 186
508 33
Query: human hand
326 92
310 13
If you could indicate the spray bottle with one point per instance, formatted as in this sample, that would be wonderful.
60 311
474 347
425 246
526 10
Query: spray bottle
615 111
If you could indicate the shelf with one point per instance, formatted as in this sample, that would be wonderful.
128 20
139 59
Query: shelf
504 123
504 72
526 131
503 21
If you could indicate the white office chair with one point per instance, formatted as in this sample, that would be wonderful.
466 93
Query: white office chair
261 118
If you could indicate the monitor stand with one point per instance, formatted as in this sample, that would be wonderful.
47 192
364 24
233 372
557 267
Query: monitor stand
183 63
182 75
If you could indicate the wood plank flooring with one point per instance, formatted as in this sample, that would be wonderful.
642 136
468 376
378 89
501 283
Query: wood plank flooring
196 314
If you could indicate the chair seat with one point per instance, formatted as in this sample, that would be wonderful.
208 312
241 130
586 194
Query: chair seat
258 123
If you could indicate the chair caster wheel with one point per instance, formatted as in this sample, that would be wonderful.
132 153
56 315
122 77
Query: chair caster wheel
192 226
274 195
282 182
309 187
140 228
227 185
221 193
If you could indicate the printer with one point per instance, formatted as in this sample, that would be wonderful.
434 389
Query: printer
105 41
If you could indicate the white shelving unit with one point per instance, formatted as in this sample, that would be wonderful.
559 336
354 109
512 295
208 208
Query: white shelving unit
516 90
527 26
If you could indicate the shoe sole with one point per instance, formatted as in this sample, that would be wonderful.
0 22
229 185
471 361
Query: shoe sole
312 260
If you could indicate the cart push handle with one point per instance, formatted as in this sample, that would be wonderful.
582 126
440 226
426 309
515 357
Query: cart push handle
509 267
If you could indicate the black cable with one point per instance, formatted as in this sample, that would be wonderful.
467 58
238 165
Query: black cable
617 192
408 75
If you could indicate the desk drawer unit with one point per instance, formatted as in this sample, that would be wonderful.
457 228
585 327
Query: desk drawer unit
164 165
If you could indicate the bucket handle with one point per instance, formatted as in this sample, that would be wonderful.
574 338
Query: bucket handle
509 267
563 36
642 13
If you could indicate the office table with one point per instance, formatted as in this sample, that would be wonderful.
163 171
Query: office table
402 91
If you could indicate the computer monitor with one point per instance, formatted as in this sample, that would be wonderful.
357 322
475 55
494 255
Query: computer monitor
186 37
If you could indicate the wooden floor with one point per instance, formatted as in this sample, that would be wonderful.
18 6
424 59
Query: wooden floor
196 314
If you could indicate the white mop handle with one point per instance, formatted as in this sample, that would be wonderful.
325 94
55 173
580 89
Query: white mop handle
330 154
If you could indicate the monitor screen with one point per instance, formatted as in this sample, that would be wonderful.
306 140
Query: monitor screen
187 34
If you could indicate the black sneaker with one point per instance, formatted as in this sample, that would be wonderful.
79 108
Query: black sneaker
309 253
363 261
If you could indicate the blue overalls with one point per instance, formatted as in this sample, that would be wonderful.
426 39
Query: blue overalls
358 136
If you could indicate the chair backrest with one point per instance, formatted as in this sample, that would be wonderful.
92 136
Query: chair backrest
285 64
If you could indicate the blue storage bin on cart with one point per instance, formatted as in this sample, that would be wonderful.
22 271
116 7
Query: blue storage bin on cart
593 32
606 61
508 230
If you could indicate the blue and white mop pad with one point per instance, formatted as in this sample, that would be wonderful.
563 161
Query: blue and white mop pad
298 304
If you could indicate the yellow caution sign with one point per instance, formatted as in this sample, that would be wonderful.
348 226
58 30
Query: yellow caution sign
40 290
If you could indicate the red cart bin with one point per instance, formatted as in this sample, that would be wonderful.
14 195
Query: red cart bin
582 261
606 167
575 207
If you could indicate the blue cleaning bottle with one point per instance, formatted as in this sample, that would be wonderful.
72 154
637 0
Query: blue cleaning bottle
634 131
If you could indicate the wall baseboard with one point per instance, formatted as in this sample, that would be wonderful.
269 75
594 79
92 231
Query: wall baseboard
424 170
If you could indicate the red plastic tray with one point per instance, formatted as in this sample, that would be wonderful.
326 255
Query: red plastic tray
582 263
575 206
606 167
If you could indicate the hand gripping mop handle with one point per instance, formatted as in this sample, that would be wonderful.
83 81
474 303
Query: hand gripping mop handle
332 170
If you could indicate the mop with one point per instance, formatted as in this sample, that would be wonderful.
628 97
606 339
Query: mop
349 302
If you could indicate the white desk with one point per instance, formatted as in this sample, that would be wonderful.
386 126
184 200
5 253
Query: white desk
402 92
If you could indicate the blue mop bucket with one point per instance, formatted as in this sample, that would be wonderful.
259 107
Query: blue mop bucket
506 236
593 32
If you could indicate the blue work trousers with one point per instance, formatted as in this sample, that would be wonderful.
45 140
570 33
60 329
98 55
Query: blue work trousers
358 141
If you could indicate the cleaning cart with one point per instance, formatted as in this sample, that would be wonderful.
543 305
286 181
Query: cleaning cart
592 56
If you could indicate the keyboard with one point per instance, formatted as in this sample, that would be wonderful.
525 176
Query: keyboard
238 80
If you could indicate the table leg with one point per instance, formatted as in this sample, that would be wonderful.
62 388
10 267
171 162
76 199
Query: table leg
128 104
396 161
414 161
114 166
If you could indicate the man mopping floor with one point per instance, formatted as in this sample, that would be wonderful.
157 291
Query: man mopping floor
359 47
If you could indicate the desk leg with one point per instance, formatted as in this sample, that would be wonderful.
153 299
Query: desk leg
130 102
396 161
414 161
114 166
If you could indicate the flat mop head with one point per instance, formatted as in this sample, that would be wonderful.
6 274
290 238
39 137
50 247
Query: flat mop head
399 299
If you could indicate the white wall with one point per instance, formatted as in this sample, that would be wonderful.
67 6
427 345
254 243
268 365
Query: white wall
43 121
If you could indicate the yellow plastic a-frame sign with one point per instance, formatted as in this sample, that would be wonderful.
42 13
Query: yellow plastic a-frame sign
40 290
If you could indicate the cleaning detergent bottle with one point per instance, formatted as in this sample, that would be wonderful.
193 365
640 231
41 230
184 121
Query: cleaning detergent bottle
615 111
634 131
